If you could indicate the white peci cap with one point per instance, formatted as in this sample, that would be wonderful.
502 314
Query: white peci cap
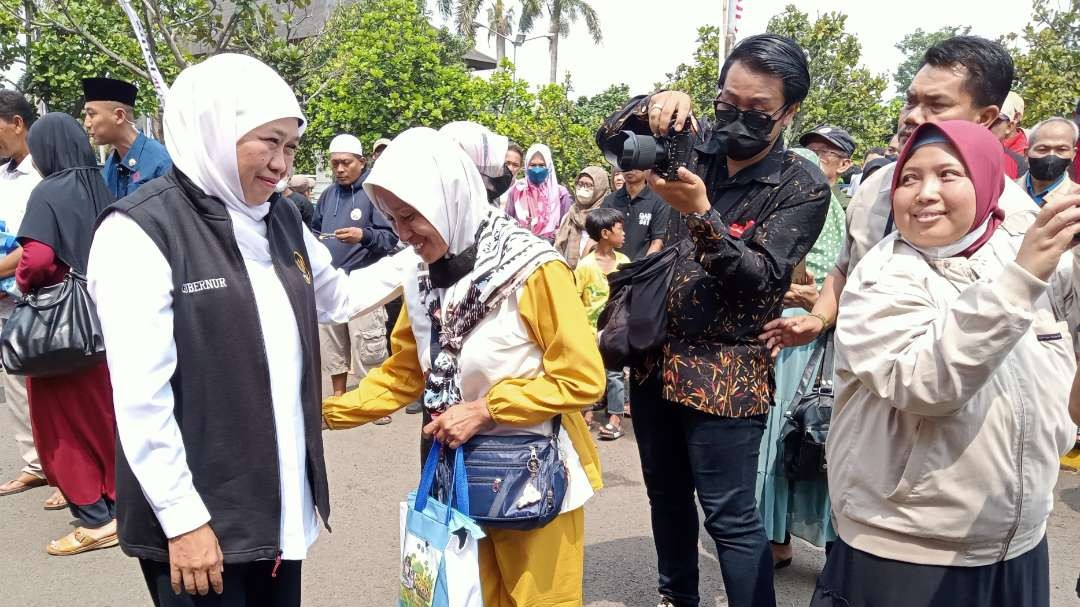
347 144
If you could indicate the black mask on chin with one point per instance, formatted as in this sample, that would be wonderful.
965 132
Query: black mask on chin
497 186
1049 167
739 142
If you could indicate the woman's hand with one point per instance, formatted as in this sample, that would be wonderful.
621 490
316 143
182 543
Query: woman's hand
664 105
1050 236
801 296
195 562
686 195
790 332
455 426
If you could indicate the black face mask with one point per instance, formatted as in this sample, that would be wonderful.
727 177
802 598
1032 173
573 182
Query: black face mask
740 142
1049 167
497 186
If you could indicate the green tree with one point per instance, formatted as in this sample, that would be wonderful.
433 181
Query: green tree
61 41
561 14
842 93
914 45
1046 71
384 69
591 111
699 78
547 116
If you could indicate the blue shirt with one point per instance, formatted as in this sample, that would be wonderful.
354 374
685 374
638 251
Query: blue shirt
145 160
1040 197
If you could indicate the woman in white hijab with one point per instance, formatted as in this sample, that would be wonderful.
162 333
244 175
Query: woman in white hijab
209 291
495 308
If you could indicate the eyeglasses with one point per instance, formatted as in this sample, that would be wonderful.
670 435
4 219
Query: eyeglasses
824 151
753 119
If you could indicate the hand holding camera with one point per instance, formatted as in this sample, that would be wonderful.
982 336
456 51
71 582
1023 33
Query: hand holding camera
686 193
628 145
668 113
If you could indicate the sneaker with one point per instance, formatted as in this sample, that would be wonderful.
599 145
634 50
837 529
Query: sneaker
414 408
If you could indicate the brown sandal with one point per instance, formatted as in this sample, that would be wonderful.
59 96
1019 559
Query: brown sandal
52 505
78 541
24 482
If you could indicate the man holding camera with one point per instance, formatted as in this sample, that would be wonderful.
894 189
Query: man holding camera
752 210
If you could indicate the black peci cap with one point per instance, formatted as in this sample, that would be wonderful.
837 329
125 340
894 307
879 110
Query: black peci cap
109 89
835 136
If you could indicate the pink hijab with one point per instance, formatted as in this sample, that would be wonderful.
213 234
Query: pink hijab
537 208
980 152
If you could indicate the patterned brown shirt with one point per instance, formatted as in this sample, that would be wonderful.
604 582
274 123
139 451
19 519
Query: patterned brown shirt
762 223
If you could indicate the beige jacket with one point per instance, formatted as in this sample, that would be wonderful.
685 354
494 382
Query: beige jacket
952 386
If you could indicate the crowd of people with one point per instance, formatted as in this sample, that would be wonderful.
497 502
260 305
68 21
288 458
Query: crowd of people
912 296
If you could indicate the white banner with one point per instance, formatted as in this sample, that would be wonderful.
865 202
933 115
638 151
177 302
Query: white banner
151 65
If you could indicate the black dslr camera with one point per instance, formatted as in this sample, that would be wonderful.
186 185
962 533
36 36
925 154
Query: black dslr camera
627 143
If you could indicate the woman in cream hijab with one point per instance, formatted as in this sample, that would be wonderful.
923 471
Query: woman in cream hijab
572 241
209 290
495 341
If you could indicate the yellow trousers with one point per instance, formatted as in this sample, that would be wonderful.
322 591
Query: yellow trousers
538 568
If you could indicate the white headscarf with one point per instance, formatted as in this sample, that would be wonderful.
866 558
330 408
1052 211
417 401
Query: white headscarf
208 109
433 175
486 149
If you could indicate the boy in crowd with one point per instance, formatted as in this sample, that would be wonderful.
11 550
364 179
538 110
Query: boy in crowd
605 227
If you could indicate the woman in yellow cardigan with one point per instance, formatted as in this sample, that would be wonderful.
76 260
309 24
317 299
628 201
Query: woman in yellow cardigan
512 350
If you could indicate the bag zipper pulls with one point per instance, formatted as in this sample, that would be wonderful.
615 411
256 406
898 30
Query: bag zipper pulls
277 565
534 462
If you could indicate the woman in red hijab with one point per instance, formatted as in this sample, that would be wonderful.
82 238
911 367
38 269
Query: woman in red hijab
944 446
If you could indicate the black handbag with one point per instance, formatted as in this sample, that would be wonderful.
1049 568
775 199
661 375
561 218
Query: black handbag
633 323
806 426
54 331
515 482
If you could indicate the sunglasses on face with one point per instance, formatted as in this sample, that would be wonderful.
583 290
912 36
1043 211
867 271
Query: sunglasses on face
757 120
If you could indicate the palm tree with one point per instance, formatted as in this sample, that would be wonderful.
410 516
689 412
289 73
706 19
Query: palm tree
500 27
464 13
563 13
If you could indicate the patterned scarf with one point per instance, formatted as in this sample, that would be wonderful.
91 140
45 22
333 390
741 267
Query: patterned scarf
506 256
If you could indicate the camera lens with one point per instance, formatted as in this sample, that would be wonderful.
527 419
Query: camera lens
639 152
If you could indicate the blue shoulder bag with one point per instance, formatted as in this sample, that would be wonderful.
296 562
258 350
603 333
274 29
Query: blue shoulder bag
514 482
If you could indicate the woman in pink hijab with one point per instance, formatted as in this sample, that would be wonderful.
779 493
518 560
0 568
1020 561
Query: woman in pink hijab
538 202
954 339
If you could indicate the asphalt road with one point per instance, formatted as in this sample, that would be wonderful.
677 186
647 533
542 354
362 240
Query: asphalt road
371 469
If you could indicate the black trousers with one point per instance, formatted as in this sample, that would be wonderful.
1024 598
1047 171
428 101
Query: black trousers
853 578
246 585
685 454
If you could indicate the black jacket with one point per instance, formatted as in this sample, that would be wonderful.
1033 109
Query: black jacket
222 382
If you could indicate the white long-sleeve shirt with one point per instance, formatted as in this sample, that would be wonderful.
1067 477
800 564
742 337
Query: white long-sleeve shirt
137 322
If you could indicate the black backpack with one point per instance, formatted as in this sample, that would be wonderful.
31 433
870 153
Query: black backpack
633 324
